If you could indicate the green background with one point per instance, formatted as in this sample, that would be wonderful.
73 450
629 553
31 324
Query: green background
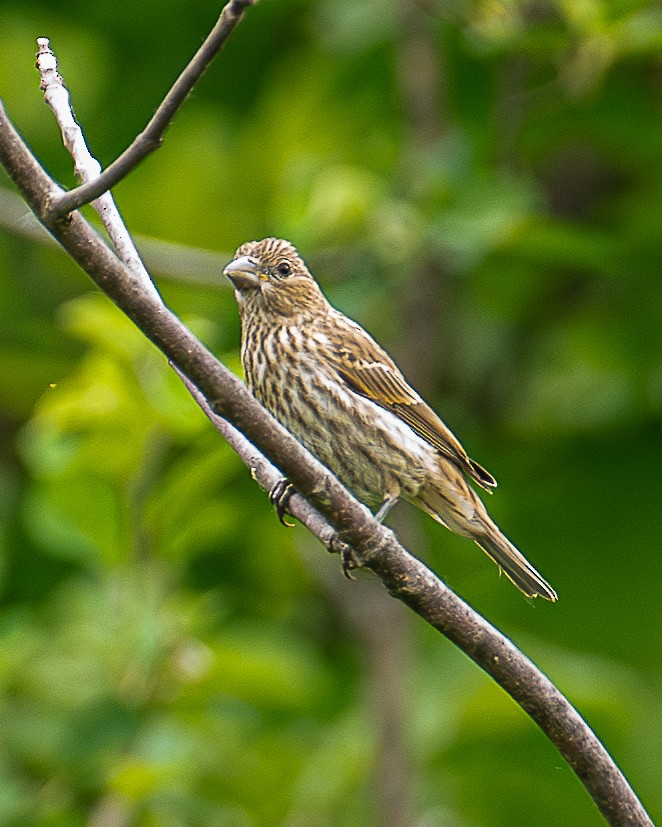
480 185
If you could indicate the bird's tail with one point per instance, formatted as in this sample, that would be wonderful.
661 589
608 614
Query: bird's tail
457 506
515 565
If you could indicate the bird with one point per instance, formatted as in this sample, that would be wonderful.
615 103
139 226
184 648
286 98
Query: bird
329 383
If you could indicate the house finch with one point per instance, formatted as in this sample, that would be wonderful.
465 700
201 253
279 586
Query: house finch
332 386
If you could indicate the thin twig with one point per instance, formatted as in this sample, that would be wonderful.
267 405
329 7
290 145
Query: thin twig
86 167
150 138
402 574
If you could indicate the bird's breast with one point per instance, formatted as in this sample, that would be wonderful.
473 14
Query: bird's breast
372 451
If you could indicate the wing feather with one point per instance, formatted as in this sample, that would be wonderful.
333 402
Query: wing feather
374 375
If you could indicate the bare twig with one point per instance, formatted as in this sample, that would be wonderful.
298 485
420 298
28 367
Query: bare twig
402 574
150 138
86 168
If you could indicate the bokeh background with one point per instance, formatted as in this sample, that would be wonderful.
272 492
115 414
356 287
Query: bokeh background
480 185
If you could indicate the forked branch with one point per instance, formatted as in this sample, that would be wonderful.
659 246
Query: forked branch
151 136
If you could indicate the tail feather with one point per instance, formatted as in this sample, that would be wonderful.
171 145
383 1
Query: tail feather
515 566
457 506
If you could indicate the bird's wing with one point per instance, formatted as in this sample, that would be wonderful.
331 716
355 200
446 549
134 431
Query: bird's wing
371 373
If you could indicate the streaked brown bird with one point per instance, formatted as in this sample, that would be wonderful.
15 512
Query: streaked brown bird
332 386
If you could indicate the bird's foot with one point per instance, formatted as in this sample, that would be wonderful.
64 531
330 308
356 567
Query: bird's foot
280 496
348 559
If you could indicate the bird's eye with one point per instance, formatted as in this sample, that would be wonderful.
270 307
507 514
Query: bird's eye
284 268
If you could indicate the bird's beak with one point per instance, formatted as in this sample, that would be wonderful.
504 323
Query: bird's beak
244 272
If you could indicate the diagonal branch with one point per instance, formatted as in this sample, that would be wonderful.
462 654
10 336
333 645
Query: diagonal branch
151 136
376 547
265 473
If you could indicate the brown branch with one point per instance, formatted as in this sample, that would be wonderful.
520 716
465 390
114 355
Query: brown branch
264 472
376 547
152 135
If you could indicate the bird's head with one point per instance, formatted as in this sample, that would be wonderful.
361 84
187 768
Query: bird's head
270 277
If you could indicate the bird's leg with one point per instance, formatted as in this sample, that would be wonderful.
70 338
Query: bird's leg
384 508
280 495
348 560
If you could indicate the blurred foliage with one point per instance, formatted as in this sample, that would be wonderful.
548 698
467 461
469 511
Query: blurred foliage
480 184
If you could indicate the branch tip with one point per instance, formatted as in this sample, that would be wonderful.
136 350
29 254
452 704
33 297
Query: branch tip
238 7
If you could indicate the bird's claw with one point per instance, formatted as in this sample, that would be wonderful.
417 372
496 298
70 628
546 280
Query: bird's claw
348 560
280 496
